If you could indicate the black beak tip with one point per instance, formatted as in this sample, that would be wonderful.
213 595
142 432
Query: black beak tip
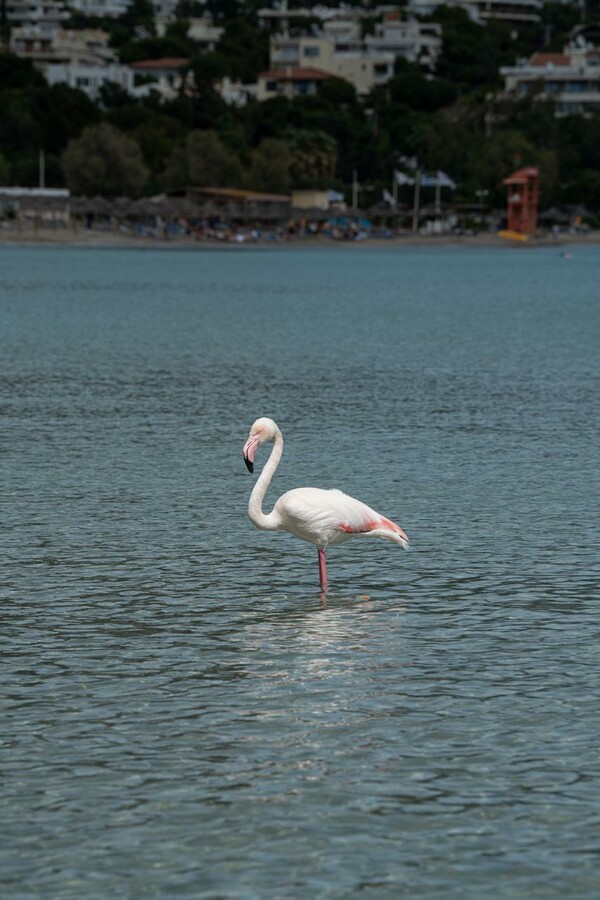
249 465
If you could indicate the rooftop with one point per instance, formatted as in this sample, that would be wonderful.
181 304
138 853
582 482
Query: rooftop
164 63
549 59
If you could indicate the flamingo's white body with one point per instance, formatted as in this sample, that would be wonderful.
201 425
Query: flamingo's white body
324 518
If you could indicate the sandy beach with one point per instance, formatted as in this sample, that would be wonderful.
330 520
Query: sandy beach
85 237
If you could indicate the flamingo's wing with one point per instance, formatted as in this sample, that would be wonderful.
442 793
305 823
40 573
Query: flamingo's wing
310 513
330 517
361 519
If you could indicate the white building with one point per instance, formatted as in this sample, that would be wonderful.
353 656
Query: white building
48 15
44 46
111 8
201 30
235 93
281 17
89 78
479 11
570 79
418 42
339 48
339 52
294 81
167 76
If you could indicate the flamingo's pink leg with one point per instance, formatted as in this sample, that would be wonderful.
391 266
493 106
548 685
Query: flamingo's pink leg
322 570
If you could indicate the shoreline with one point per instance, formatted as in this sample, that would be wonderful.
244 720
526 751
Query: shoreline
84 238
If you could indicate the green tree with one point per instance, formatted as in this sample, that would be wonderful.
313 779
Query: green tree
63 112
203 161
413 90
19 73
4 171
246 48
136 24
467 57
559 19
499 156
583 188
314 155
339 93
104 161
270 168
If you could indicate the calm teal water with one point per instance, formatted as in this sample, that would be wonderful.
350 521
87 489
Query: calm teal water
183 717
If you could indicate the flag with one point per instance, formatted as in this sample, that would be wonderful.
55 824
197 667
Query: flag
411 161
401 178
387 198
445 180
438 180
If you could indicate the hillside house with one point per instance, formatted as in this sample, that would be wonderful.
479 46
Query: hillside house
571 79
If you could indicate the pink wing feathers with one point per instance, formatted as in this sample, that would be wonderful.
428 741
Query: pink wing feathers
364 520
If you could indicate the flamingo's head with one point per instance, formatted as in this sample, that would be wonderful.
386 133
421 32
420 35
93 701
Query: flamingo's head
263 430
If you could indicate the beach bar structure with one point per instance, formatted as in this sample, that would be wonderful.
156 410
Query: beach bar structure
523 194
240 205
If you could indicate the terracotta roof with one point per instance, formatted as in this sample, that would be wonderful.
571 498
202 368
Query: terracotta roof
296 74
240 194
549 59
164 63
521 176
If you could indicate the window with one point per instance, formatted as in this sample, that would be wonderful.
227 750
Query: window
311 51
380 70
271 85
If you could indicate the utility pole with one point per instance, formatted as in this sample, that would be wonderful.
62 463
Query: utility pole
354 190
415 221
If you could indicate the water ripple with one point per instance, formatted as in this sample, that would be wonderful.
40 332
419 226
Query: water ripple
183 714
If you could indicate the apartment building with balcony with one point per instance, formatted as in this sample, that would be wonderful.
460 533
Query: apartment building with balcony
47 15
342 54
294 81
571 79
90 77
101 8
418 42
517 12
44 46
338 47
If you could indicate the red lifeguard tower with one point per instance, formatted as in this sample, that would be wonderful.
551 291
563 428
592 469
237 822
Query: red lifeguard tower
523 200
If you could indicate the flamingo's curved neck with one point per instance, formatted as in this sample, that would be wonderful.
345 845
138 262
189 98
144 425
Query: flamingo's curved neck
270 521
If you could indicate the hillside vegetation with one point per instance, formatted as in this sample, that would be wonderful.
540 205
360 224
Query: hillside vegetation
458 121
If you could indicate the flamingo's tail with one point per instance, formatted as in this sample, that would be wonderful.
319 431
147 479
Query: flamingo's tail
391 532
387 529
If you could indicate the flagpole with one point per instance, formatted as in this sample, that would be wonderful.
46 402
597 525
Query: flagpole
415 221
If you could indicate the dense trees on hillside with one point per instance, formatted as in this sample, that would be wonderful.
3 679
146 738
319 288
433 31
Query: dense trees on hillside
458 121
104 160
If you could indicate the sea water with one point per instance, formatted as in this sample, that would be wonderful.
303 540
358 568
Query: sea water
184 715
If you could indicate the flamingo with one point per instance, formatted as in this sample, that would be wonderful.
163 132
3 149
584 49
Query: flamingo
322 517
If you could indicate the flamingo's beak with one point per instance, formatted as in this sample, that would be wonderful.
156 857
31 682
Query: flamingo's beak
249 451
